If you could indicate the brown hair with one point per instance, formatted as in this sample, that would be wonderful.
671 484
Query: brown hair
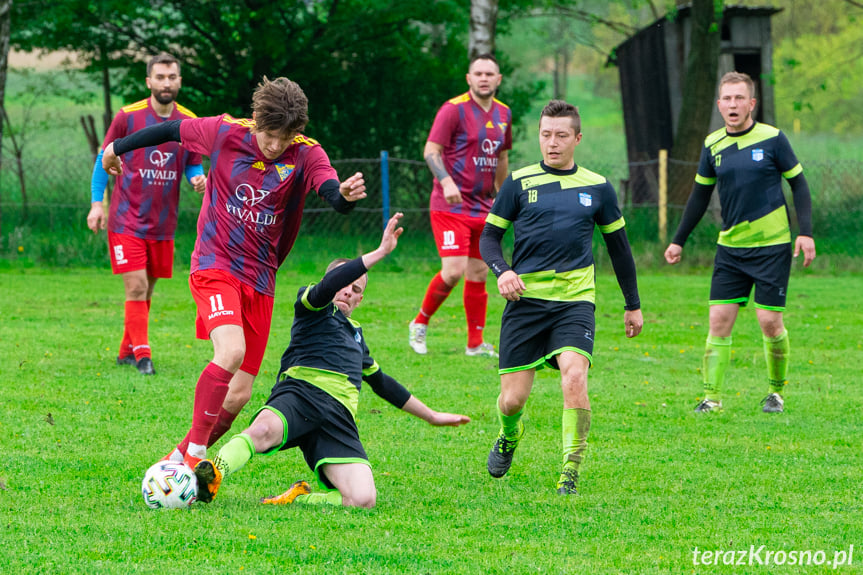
560 109
485 56
162 58
738 78
280 106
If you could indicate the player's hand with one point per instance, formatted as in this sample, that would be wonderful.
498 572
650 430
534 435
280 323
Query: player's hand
354 188
440 419
633 321
96 219
390 239
806 244
112 164
510 286
199 183
673 253
450 192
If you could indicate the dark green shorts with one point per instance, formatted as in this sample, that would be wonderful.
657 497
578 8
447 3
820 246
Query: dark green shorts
533 332
320 426
736 270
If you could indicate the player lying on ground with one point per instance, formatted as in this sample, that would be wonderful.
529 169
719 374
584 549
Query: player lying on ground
314 402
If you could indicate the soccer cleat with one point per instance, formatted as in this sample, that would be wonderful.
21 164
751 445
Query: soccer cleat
568 482
708 405
175 456
484 349
145 366
127 360
286 498
191 460
209 480
417 337
500 456
773 403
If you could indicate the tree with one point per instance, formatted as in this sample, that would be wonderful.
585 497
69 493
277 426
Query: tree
699 94
483 21
5 16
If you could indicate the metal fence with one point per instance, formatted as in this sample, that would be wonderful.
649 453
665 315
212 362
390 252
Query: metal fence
55 192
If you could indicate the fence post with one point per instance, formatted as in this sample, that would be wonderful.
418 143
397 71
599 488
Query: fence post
663 196
385 186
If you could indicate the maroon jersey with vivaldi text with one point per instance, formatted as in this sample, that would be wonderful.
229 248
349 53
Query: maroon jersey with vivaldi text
145 198
252 206
472 140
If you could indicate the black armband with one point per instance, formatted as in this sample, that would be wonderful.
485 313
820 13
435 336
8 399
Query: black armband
624 267
150 136
388 388
329 191
802 203
489 247
325 290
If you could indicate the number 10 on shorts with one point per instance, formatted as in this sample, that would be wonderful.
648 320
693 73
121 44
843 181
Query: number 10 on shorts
448 237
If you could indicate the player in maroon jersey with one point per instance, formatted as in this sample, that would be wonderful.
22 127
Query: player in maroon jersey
144 205
260 172
468 154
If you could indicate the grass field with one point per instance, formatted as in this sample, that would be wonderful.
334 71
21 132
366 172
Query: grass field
77 433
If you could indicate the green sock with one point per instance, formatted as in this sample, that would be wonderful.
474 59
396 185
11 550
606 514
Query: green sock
576 426
329 497
777 350
509 424
717 357
234 455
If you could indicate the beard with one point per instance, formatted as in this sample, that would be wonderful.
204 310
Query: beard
165 98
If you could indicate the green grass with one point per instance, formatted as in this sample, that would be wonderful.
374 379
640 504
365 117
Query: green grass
78 432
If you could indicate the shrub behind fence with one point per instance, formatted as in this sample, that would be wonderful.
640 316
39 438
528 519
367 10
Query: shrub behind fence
50 226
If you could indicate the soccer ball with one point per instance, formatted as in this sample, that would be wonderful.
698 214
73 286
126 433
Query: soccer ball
169 485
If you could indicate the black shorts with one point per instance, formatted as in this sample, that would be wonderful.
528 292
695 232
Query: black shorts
735 270
320 426
533 332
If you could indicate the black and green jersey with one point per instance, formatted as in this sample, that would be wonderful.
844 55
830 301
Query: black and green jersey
328 351
748 168
553 214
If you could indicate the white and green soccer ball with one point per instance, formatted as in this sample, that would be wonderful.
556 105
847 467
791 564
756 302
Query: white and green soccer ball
169 485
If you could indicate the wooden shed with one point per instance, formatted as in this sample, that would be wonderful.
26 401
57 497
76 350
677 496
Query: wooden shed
652 63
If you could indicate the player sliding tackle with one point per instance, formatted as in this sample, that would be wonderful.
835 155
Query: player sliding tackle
314 402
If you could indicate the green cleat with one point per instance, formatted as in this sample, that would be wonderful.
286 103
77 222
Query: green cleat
500 456
568 482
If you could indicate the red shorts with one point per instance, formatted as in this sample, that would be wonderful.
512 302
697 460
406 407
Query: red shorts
130 254
222 299
456 234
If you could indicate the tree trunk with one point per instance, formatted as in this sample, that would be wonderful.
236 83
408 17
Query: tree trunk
483 21
5 31
699 96
106 91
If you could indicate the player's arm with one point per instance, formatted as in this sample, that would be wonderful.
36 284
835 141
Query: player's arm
623 263
397 395
803 207
195 175
151 136
96 219
509 284
433 155
697 204
324 291
501 171
343 196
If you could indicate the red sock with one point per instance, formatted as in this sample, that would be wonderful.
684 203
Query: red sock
436 294
209 394
475 306
126 344
183 446
137 317
223 424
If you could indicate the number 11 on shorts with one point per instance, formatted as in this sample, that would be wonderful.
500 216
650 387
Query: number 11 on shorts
216 303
